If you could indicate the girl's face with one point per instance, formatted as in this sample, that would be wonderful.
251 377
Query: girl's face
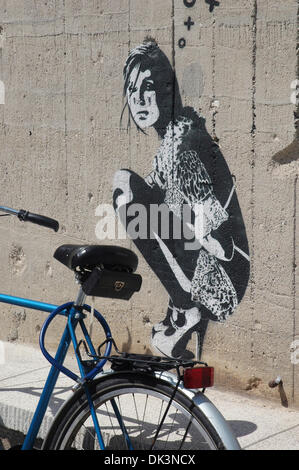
141 98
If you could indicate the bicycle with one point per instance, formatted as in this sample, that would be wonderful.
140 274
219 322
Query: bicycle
141 401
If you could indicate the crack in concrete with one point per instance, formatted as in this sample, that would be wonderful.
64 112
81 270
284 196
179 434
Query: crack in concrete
294 276
65 116
292 428
253 156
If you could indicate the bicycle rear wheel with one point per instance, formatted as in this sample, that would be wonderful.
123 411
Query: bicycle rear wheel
142 401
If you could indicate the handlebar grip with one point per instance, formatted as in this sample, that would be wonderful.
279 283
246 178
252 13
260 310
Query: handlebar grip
26 216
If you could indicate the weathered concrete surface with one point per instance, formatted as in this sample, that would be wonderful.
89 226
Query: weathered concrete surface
61 143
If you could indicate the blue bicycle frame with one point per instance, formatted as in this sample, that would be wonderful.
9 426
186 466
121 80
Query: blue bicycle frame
74 311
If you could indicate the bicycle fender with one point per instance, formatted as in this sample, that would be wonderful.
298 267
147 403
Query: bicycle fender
208 409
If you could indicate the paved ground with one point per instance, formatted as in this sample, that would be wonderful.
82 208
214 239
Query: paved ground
258 424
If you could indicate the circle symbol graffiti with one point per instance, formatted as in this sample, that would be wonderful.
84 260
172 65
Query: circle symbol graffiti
182 43
189 3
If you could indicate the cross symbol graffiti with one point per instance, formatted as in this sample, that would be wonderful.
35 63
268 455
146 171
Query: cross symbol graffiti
189 23
212 3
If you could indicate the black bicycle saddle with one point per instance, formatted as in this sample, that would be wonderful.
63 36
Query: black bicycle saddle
89 256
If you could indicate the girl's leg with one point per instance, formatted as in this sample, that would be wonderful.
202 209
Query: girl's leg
167 257
189 276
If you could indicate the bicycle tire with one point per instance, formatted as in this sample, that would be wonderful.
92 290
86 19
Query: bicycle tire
137 395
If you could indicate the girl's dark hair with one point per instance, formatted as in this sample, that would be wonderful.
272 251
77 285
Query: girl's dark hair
150 57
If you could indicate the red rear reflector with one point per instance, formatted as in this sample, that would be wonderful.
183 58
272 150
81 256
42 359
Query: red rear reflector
199 377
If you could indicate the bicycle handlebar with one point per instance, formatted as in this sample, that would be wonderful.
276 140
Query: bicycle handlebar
27 216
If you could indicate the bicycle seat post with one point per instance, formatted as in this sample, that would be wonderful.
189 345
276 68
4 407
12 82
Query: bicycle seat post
80 298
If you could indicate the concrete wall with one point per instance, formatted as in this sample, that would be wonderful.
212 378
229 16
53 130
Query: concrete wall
61 63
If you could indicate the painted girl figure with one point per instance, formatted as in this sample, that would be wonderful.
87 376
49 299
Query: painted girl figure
205 279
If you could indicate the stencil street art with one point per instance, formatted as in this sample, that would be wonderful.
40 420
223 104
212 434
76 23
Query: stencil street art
207 282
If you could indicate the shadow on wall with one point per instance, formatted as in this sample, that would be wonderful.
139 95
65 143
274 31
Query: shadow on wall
291 152
126 346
